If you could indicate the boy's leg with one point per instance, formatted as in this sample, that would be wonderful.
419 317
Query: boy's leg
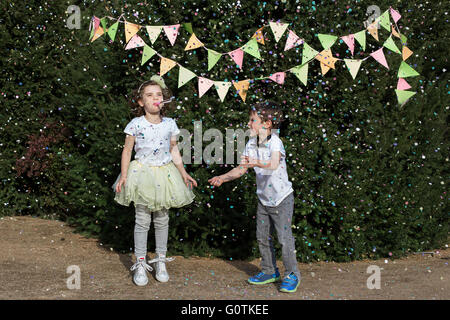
282 219
141 227
264 231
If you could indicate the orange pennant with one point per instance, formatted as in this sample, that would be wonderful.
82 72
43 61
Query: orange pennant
130 30
166 65
326 58
259 36
394 32
98 33
406 53
242 88
193 43
324 68
373 30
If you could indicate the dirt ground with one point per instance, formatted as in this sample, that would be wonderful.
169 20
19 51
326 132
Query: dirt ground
35 255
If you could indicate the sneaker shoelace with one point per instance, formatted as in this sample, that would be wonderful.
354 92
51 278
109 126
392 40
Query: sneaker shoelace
161 259
289 281
142 264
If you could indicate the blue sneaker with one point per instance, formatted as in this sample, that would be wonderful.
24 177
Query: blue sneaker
262 278
290 283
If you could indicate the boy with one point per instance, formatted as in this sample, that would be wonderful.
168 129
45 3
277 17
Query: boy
265 153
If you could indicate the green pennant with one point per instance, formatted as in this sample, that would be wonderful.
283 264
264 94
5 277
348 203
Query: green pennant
406 71
213 57
103 22
113 30
390 44
327 40
404 39
361 38
403 95
308 53
184 76
147 54
384 21
301 72
188 27
92 33
251 47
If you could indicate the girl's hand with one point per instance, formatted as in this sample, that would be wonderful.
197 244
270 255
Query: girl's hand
121 183
189 181
216 181
248 162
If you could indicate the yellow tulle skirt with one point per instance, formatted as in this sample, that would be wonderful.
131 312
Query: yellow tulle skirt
154 187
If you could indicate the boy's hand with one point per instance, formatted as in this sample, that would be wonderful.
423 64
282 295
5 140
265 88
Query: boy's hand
216 181
189 181
248 162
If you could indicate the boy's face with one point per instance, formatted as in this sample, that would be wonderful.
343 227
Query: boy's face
256 125
151 98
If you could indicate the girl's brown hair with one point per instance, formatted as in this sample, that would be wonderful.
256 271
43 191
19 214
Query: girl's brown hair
138 111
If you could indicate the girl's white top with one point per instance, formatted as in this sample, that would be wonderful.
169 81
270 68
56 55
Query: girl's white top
152 144
272 186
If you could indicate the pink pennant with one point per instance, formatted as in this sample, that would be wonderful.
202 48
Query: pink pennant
135 42
278 77
379 56
203 85
395 15
350 42
402 84
238 56
292 41
94 23
172 32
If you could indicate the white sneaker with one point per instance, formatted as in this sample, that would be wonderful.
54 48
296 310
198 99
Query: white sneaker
160 267
140 272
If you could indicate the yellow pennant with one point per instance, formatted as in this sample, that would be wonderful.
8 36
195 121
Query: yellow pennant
98 33
326 58
193 43
373 30
166 65
242 88
259 35
130 30
406 53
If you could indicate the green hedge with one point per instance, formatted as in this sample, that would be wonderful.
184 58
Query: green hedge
369 176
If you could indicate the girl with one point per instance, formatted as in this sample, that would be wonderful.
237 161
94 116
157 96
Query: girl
156 180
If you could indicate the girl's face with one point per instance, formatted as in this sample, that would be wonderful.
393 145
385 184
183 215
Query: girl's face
151 98
256 125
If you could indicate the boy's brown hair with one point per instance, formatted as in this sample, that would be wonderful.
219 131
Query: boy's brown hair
268 110
138 111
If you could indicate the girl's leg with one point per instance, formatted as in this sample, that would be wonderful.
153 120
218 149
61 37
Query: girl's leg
264 230
161 223
141 227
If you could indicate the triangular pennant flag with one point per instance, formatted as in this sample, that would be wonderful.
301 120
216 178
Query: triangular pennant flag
301 72
103 23
350 42
259 35
379 56
402 84
184 76
242 88
353 66
389 43
113 30
327 40
395 15
406 71
292 41
384 20
95 23
308 53
373 29
326 58
203 85
193 43
135 42
172 32
188 27
147 54
403 95
222 88
361 38
406 53
238 56
213 57
130 30
251 47
153 32
97 34
324 68
394 32
278 29
404 39
166 65
278 77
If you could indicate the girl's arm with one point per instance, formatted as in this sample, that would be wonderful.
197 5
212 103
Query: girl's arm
178 161
271 164
125 161
233 174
